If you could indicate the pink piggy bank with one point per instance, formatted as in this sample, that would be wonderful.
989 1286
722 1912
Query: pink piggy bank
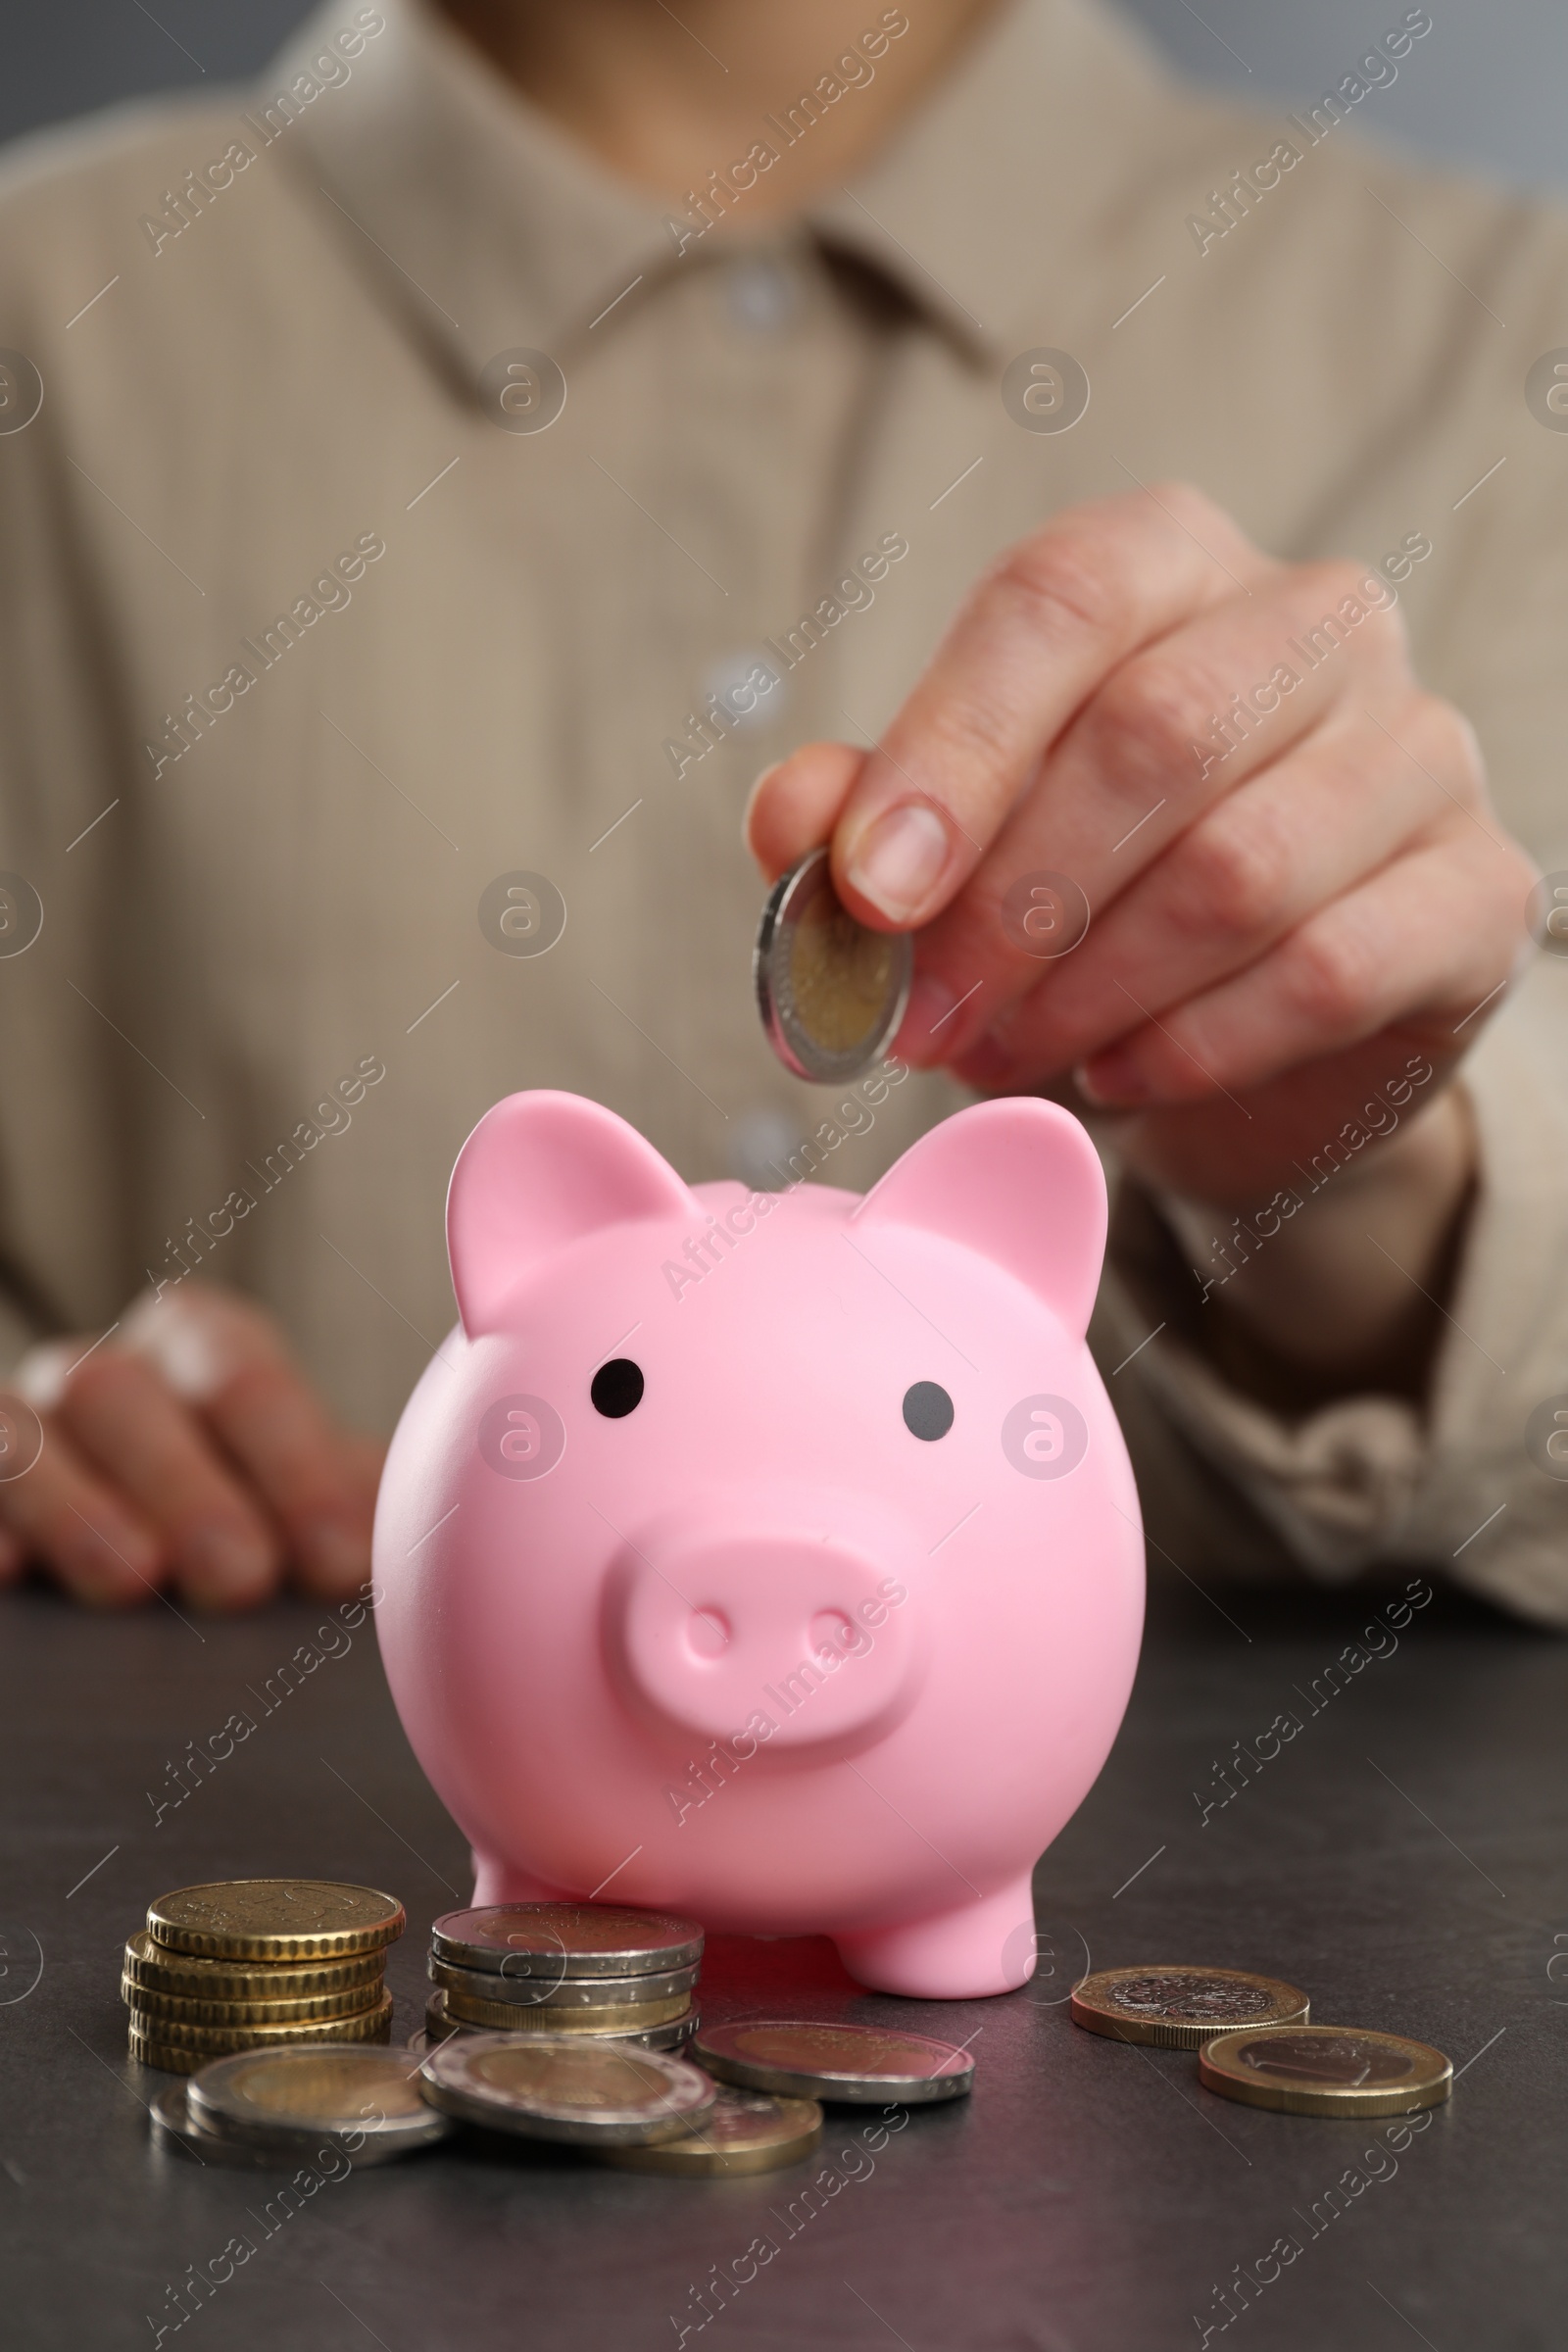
773 1558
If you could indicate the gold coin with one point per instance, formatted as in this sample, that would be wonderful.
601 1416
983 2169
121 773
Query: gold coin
367 2025
831 992
275 1919
1326 2070
181 2010
193 1977
510 2017
1181 2007
742 2131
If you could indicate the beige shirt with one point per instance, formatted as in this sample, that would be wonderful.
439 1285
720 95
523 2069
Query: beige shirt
309 652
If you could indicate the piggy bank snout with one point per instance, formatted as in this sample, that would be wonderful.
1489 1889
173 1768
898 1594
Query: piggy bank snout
818 1637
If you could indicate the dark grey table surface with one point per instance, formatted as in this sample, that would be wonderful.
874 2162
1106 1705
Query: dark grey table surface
1402 1858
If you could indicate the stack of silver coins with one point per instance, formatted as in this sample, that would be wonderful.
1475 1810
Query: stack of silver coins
598 1969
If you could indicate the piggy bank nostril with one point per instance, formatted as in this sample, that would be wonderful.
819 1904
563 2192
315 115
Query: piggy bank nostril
708 1633
830 1628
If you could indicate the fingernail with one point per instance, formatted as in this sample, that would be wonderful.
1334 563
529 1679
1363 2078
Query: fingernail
927 1030
224 1563
109 1557
336 1551
895 863
1111 1082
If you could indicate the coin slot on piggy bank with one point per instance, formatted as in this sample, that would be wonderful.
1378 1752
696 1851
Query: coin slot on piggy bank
785 1634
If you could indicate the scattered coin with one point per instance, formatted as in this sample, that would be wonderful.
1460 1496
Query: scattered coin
1326 2070
550 2088
301 2009
189 1975
512 2017
167 2034
563 1993
275 1919
831 992
273 2098
742 2131
1181 2007
557 1941
859 2064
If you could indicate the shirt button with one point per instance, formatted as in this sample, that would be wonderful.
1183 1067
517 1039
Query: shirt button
760 295
749 686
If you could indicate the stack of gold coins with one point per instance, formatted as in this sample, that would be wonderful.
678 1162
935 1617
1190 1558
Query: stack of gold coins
248 1963
600 1968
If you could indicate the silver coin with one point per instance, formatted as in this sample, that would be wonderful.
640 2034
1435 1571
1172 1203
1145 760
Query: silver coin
830 991
362 2096
856 2064
566 1992
553 1941
566 2087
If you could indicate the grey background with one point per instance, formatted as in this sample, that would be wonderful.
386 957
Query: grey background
1486 88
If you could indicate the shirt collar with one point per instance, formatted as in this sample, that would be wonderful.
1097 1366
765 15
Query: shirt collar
498 231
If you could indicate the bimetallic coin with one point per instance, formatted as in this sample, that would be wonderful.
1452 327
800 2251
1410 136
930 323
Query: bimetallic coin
211 2041
192 1977
345 2094
553 1941
174 2124
508 2017
565 1993
550 2087
858 2064
275 1919
302 2010
1326 2070
1181 2007
438 2025
831 992
742 2131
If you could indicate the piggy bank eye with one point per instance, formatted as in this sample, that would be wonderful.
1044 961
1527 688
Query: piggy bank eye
618 1389
927 1410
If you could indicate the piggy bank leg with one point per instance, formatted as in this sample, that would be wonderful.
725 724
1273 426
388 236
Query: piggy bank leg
497 1881
984 1946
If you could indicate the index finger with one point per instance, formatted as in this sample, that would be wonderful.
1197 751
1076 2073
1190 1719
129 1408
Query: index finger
1026 651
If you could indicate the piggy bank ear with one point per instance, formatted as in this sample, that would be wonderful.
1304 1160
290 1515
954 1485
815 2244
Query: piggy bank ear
542 1170
1017 1180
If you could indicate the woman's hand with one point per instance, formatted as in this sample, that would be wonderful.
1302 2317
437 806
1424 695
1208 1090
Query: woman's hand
186 1449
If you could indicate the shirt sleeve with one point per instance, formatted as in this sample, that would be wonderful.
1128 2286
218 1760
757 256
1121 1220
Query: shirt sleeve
1473 1483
